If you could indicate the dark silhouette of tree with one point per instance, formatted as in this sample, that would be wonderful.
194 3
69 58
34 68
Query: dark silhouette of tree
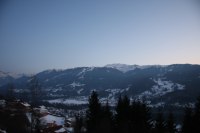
78 124
187 121
106 125
93 114
122 117
35 90
160 123
196 117
140 117
170 124
13 121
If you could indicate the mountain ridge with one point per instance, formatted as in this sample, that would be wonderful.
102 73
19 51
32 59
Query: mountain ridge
177 83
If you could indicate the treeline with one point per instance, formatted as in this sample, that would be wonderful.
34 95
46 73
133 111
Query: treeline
133 117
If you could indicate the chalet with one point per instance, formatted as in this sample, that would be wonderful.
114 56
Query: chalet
2 103
41 111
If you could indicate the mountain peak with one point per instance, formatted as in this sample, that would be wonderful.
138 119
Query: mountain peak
126 68
9 74
122 67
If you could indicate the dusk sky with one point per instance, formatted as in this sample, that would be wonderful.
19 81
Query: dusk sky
46 34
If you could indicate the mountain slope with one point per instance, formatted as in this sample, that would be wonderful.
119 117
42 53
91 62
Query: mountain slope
178 83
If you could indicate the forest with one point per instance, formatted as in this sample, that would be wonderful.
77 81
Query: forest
134 117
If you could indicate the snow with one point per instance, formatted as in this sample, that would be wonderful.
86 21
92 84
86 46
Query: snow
2 103
161 88
76 84
127 89
178 127
53 70
2 131
70 129
125 68
3 74
52 119
160 104
58 89
59 85
81 77
43 109
84 70
170 70
74 101
13 75
28 115
113 91
60 130
122 90
69 101
180 87
79 91
26 104
122 67
111 96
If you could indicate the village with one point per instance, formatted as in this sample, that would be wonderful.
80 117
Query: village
19 116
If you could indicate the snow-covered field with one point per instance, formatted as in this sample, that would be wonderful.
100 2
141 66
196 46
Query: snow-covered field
69 101
76 84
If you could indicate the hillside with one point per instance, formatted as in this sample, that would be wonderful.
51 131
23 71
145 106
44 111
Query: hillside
173 84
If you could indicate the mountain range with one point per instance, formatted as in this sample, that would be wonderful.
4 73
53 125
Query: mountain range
170 84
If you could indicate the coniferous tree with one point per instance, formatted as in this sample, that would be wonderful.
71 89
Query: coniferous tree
78 124
140 117
160 123
122 117
106 124
170 125
196 117
187 121
93 114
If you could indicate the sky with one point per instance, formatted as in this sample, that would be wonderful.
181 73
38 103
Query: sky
50 34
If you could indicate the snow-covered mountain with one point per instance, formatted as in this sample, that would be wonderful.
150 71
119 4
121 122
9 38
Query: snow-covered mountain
8 74
126 68
178 83
122 67
7 77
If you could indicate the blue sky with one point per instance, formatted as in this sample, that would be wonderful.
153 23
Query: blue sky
38 35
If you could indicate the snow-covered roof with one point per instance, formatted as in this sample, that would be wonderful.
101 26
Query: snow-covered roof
2 131
26 104
52 119
61 130
70 129
2 102
43 109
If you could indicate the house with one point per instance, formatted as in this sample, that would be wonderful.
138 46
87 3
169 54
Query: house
2 103
61 130
50 129
41 111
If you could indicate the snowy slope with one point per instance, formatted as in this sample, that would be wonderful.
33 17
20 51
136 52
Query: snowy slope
126 68
122 67
161 88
